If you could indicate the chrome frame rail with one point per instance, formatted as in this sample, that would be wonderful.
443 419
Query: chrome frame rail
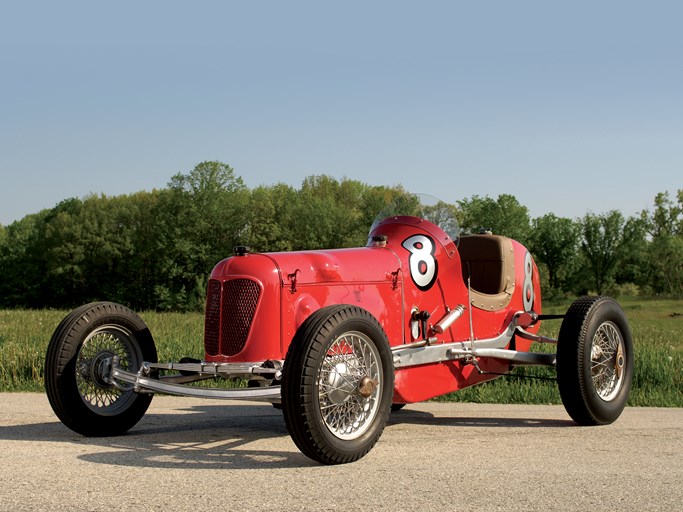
141 382
430 351
223 370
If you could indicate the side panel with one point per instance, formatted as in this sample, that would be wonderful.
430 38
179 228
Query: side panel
366 277
382 300
421 383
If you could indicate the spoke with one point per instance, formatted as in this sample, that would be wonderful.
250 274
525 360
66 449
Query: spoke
342 376
329 407
326 390
603 364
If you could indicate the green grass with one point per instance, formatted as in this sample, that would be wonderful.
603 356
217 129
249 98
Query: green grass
657 327
24 336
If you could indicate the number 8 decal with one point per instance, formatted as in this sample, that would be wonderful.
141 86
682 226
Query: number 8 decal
423 266
528 288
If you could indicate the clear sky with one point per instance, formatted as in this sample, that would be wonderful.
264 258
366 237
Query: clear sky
573 107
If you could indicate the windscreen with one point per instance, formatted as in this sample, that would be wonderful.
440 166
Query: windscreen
427 207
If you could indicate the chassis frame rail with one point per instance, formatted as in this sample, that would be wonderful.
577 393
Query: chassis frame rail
142 382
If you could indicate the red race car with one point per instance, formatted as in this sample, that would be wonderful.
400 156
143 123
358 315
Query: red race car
339 338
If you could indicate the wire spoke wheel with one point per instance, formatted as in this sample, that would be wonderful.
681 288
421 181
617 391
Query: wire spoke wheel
78 361
594 361
337 384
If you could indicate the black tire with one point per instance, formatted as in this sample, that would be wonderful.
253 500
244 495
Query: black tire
594 361
78 395
337 384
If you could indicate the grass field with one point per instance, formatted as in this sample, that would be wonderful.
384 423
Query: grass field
657 327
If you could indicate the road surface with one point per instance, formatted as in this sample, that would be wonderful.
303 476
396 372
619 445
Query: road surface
193 454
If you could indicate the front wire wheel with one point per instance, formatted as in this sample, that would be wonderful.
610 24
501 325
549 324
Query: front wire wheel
337 384
77 363
594 361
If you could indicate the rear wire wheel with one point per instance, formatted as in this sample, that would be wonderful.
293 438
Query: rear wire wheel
594 361
76 364
337 384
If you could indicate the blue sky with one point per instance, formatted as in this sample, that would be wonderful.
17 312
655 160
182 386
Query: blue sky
573 107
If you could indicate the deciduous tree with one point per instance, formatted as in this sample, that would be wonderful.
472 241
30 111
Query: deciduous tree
555 242
503 216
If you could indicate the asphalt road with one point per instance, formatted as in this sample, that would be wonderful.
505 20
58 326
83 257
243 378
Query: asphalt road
193 454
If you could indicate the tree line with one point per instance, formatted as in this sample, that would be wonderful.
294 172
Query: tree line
154 250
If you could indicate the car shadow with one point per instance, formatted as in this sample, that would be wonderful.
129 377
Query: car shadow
219 437
416 417
197 437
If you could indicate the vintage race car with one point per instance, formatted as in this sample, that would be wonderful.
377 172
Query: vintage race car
339 338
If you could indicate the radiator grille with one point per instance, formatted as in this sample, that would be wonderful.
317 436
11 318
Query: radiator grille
229 314
212 318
